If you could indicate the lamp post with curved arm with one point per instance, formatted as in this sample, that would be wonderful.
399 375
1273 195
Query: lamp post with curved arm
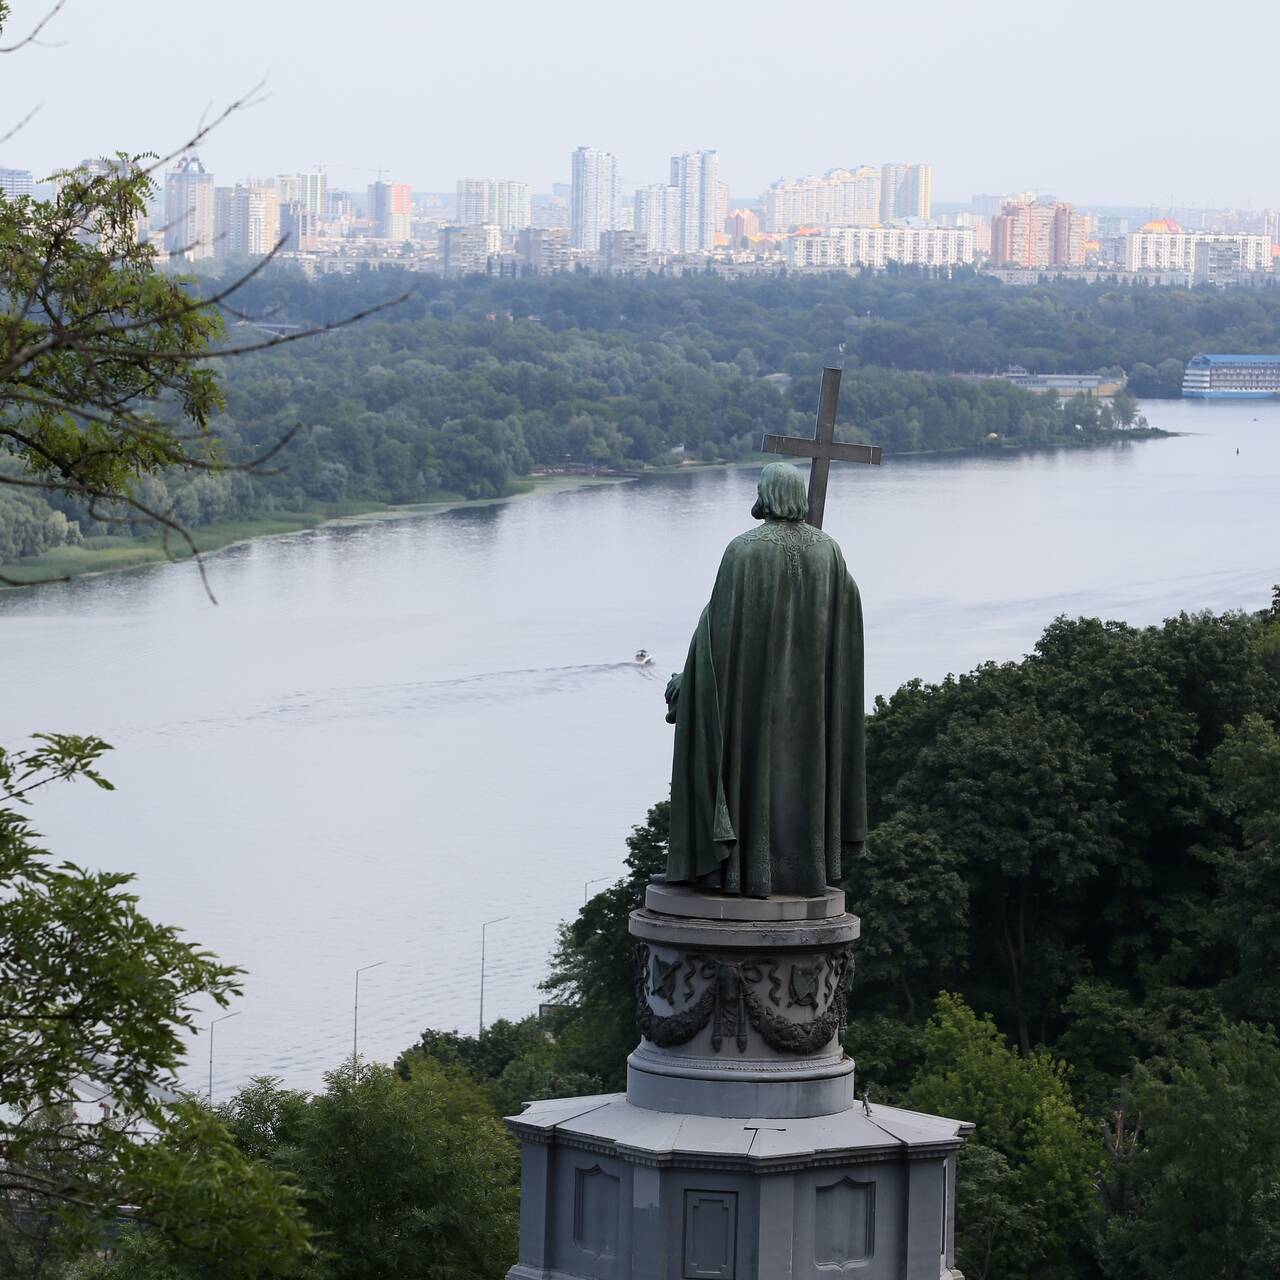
355 1013
483 927
213 1024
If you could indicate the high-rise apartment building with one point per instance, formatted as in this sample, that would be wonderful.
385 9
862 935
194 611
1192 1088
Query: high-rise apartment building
313 192
593 197
16 182
390 209
299 229
722 205
657 217
188 211
471 206
288 188
1270 221
1035 234
1070 233
906 191
506 204
696 176
246 220
840 198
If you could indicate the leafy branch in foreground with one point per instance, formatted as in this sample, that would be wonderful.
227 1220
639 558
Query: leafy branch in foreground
105 373
94 1003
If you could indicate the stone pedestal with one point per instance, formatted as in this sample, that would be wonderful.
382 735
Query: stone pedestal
739 1150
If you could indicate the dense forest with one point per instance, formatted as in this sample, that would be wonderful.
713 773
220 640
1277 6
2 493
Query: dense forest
466 386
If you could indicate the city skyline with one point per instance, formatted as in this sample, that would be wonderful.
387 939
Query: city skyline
1125 127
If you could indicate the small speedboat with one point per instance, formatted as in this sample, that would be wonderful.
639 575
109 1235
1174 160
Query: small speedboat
643 658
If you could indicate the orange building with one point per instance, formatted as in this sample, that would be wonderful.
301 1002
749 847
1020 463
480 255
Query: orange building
1034 234
740 225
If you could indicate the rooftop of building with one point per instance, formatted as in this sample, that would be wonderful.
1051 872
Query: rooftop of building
1209 358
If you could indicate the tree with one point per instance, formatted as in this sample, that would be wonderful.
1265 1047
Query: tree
913 903
1246 773
414 1178
1125 408
1017 797
94 997
1205 1182
1033 1186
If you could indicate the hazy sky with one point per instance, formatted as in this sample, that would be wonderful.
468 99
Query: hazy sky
1128 103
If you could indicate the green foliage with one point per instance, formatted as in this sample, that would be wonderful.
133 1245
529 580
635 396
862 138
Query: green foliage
1246 771
405 1174
414 1178
512 1062
95 995
541 1073
1204 1185
472 383
1035 1197
485 1057
1072 796
100 354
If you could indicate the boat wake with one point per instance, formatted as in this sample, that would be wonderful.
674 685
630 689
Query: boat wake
490 688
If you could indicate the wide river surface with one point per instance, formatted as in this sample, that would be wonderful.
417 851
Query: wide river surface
388 733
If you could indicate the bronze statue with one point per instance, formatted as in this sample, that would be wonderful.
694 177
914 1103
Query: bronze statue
768 788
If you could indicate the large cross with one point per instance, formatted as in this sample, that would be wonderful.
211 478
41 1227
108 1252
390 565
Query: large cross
823 447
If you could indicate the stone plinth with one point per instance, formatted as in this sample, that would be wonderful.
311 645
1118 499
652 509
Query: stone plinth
738 1151
741 1009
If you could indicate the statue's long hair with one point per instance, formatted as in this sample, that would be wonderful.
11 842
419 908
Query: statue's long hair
781 494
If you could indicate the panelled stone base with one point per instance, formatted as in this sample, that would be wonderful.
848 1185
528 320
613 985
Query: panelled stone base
611 1191
738 1151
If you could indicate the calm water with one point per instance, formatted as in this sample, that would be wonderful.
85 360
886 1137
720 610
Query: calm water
389 733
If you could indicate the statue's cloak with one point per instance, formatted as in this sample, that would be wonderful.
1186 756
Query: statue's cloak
768 788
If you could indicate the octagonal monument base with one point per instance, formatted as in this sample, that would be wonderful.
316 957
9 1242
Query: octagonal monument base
738 1151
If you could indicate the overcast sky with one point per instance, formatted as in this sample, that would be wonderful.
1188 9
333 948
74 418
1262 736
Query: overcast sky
1128 103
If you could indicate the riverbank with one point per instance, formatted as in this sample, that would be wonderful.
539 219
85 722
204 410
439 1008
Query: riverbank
115 553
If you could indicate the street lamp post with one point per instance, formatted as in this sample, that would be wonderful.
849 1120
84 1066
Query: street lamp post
213 1024
355 1013
586 888
483 927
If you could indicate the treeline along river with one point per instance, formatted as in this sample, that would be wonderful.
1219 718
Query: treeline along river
387 733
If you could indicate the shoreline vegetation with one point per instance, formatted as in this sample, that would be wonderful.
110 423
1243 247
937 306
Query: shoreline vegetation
117 553
114 553
470 389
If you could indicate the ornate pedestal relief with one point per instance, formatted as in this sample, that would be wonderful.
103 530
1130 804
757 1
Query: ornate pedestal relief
732 994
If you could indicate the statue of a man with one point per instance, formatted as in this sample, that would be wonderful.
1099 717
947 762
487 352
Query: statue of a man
768 787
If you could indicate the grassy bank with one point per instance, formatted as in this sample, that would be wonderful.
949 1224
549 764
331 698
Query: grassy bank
107 554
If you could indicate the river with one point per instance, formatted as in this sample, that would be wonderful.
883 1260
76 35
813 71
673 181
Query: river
388 733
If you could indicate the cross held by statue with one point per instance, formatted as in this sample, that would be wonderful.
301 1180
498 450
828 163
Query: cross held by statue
823 447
